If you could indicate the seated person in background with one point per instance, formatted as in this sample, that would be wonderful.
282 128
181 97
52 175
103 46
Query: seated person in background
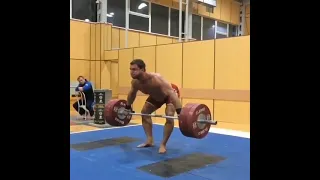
86 87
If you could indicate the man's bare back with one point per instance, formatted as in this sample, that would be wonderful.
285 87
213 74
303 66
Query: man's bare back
154 85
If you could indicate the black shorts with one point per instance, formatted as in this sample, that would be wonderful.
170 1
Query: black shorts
166 100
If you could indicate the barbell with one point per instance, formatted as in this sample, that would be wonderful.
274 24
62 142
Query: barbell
194 119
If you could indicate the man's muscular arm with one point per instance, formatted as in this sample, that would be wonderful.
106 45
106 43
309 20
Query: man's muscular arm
132 93
172 95
175 101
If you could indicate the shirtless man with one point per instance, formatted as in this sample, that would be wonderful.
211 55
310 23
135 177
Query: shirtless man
160 92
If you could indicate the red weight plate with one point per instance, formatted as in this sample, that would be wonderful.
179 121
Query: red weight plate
188 118
111 115
183 125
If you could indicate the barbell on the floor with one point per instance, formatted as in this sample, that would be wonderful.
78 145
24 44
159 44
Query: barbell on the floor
194 119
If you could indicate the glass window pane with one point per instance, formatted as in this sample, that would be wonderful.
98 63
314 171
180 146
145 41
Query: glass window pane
222 27
174 31
233 30
208 28
196 27
138 23
159 19
139 6
84 9
219 36
116 12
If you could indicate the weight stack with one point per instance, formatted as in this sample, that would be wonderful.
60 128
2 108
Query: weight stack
101 97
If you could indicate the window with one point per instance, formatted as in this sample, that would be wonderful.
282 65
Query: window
233 30
159 19
138 23
219 36
174 26
208 28
116 12
84 9
222 28
139 6
196 27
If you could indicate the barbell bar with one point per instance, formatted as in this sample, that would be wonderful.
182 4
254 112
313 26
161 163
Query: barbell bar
213 122
194 119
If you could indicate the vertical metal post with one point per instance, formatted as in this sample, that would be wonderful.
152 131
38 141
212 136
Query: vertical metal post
169 23
215 29
180 20
188 27
70 9
149 16
103 10
186 22
201 28
127 23
227 30
243 19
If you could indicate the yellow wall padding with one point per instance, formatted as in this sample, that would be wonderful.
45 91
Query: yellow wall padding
79 40
147 39
198 65
232 63
125 57
79 67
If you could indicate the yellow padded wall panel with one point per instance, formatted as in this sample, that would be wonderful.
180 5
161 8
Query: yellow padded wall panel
98 41
123 97
163 40
167 3
216 11
247 26
201 64
108 36
98 75
114 78
103 40
93 42
115 38
195 8
93 74
226 10
202 10
175 40
133 39
232 112
169 62
80 40
235 13
106 73
125 57
79 68
148 55
147 39
232 70
169 65
111 55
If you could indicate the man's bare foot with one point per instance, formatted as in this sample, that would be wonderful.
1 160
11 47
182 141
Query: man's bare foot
145 145
162 149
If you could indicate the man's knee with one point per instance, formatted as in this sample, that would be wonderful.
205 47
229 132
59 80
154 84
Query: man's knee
170 111
147 109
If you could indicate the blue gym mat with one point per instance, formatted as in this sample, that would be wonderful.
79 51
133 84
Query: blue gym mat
112 154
